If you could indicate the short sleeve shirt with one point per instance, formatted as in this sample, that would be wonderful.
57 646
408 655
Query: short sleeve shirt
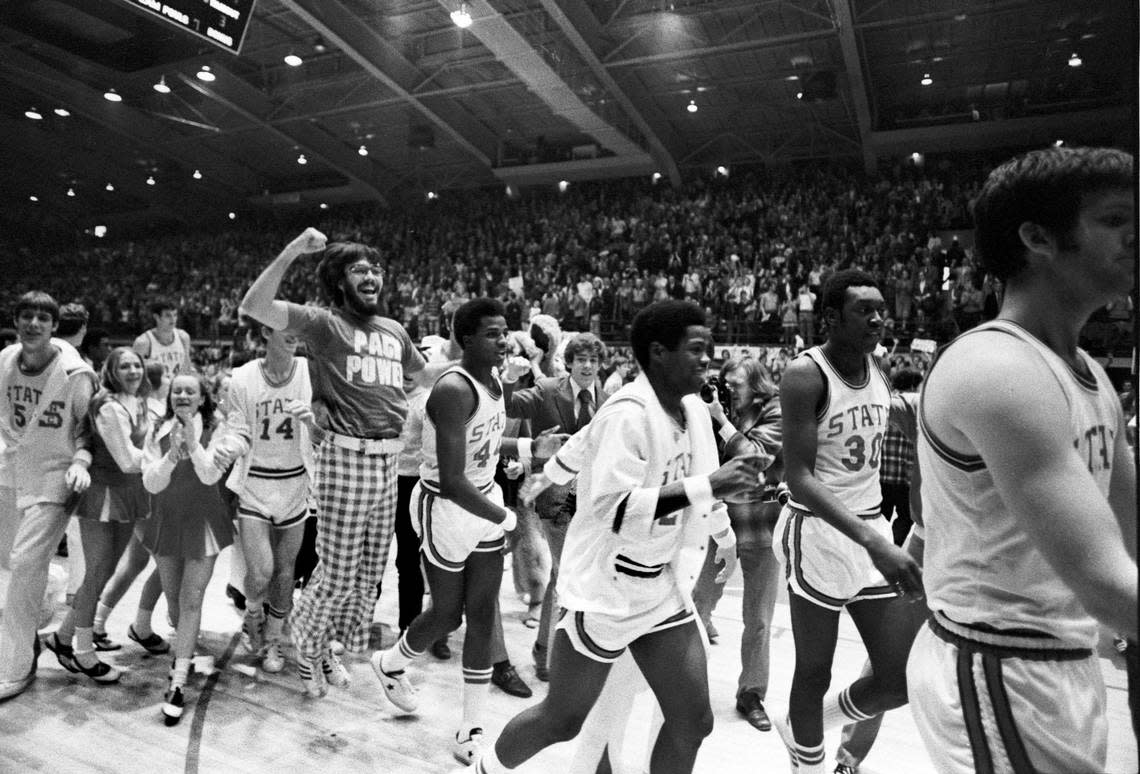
358 369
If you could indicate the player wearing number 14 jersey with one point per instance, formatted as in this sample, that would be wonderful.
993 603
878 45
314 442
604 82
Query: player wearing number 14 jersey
835 545
268 421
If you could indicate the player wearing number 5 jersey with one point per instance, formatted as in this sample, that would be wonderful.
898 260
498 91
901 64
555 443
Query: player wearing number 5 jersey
270 411
835 545
45 390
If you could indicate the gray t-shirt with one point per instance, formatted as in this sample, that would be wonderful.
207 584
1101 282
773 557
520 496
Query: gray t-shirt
358 367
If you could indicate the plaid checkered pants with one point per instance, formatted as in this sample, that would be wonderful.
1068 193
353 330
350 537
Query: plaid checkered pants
356 514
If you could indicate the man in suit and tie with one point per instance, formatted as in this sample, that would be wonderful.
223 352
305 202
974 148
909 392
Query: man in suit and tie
568 402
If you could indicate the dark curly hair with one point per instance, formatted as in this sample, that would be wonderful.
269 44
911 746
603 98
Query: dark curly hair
334 259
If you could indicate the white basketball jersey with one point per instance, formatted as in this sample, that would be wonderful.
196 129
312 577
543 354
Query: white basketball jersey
849 435
171 355
484 431
275 437
980 565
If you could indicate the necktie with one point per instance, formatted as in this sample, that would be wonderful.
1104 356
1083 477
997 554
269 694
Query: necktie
585 409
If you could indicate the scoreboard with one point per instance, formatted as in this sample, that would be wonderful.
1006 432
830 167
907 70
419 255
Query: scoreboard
221 22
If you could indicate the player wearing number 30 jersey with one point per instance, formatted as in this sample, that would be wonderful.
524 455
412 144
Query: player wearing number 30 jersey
835 545
822 564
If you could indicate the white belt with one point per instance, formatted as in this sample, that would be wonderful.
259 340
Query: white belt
366 445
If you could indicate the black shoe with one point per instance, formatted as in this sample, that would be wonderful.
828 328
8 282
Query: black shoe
172 706
440 649
507 678
541 669
843 768
63 653
236 597
749 705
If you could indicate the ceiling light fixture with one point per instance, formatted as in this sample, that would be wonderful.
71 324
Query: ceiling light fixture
197 175
926 79
205 74
563 185
432 196
1074 60
71 192
655 177
33 198
110 187
34 114
324 205
302 160
799 95
161 86
363 151
1058 143
692 108
112 96
150 180
62 112
293 60
233 216
462 16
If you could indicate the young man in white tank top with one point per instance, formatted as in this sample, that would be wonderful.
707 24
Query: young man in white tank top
269 421
833 540
1030 524
165 343
459 514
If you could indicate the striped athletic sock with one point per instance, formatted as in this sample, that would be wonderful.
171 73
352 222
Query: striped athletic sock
476 689
275 623
400 655
838 709
809 759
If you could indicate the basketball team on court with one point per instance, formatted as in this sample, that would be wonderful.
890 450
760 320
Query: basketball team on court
986 620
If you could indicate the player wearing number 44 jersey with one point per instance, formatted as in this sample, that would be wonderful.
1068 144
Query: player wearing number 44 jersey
270 416
835 545
460 518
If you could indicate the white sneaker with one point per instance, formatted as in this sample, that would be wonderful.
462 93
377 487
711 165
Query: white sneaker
274 660
337 647
335 671
396 685
312 675
466 751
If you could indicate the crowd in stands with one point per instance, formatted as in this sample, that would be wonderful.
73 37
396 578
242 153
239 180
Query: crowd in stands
753 249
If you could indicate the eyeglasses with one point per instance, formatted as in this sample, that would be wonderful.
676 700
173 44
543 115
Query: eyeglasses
361 271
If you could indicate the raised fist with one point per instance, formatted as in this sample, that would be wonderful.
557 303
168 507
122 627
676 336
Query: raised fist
310 241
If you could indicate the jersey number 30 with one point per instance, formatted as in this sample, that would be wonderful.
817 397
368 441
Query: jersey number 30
857 447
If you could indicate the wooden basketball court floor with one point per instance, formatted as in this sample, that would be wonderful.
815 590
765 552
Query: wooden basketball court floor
241 720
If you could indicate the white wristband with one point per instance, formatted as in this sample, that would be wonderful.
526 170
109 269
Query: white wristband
726 431
526 451
726 538
510 521
699 491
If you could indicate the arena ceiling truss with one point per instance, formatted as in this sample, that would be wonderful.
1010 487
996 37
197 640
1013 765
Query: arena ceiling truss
393 100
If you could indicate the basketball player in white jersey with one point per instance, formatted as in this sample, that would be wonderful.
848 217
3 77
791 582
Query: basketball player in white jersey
269 417
835 544
645 503
1028 485
45 390
165 343
460 517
